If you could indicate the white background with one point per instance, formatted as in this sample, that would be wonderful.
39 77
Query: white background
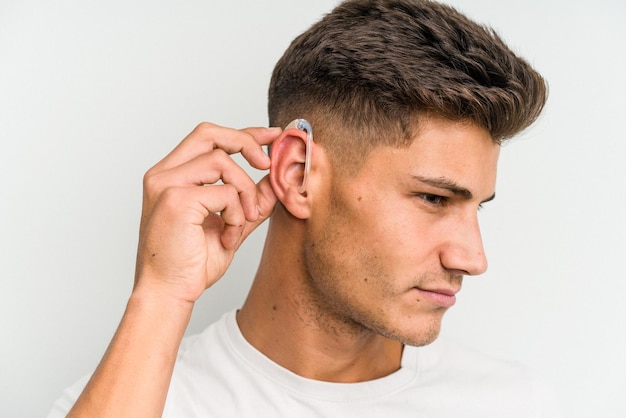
93 93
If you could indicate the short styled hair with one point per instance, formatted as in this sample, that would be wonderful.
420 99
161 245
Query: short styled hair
366 71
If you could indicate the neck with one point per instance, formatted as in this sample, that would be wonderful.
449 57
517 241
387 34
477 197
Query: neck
282 319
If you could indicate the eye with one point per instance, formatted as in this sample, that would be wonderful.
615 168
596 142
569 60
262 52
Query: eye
433 199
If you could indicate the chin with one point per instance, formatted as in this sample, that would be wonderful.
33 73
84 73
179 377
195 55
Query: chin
422 340
418 334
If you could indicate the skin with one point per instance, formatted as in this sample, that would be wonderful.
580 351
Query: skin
352 269
360 269
188 236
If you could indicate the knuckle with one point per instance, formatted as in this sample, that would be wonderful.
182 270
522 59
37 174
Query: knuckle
205 128
220 157
171 197
230 192
247 186
151 181
249 137
219 160
248 142
147 177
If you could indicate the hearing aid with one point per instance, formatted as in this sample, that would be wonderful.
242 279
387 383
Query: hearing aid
305 126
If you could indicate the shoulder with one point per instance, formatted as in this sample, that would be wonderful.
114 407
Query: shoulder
194 353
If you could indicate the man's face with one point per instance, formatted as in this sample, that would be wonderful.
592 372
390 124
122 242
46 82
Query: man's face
387 249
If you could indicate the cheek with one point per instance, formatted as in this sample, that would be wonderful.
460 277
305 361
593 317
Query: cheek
348 276
369 233
396 231
343 247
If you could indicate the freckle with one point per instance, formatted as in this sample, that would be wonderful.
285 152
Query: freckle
365 280
360 198
274 308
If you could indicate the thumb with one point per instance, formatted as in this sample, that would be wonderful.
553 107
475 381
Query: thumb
267 202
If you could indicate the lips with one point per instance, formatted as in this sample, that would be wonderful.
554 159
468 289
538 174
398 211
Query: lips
443 297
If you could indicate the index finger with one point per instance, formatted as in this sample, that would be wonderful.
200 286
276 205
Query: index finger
207 137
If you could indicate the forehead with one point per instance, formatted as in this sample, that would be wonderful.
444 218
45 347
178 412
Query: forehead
458 151
444 142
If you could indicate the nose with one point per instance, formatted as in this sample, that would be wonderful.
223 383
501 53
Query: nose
463 251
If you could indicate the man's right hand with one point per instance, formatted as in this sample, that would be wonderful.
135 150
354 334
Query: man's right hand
190 229
191 226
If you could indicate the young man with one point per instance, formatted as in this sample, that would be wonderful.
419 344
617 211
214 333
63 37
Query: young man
367 245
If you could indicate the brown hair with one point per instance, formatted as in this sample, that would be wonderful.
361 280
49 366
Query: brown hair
368 69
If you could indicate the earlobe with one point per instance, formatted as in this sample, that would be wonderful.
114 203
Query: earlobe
288 156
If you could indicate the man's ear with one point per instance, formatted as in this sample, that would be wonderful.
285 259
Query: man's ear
288 154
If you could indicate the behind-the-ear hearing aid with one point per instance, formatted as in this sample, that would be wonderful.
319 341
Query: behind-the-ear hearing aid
305 126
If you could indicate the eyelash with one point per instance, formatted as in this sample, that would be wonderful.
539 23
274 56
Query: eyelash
436 200
433 199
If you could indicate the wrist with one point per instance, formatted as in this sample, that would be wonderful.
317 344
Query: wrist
134 375
174 289
160 302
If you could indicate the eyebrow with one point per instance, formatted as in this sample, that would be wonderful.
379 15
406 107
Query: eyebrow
451 186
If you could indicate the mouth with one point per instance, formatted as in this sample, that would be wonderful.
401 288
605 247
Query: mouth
444 297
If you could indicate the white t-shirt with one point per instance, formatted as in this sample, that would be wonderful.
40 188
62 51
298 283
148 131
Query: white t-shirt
219 374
